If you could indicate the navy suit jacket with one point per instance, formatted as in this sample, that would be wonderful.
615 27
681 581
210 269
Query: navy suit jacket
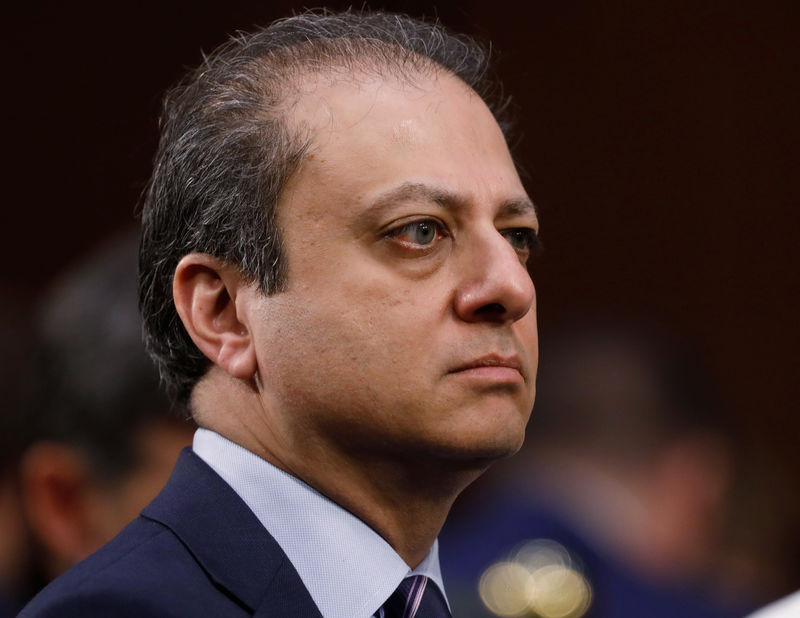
196 550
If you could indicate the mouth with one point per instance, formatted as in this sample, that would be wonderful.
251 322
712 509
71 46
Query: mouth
493 367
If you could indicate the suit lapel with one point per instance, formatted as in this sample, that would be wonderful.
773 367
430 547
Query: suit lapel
228 541
287 597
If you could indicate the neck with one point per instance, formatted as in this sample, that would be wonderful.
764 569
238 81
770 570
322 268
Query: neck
406 505
404 499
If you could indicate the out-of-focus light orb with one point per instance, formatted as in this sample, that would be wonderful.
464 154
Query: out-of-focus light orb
539 581
505 589
559 592
540 553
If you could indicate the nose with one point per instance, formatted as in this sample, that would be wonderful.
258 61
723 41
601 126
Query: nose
495 285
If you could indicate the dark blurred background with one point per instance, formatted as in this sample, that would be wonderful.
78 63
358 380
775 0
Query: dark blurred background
659 140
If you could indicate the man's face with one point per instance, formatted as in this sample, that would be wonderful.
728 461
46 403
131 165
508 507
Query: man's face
408 326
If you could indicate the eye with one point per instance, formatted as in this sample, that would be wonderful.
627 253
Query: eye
422 232
524 240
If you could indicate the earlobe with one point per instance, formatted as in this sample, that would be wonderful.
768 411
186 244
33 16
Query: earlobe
206 291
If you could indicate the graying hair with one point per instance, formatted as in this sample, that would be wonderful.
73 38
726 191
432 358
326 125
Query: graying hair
226 151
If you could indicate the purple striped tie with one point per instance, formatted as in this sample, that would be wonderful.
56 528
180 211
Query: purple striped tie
415 598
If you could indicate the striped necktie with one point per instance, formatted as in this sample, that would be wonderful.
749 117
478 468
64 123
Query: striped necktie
416 597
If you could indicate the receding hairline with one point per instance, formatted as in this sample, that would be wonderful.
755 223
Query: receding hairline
295 67
305 76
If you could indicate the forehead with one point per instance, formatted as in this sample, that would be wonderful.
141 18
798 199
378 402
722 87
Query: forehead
336 106
368 134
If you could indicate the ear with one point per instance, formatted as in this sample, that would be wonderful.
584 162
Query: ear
58 496
208 293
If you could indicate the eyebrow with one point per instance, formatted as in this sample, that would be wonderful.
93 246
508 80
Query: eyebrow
445 199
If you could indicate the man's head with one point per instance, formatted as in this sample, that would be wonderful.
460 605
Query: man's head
102 435
227 150
337 214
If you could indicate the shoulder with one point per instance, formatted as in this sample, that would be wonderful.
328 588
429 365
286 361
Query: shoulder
144 571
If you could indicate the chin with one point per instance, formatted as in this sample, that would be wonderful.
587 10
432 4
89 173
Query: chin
487 451
485 442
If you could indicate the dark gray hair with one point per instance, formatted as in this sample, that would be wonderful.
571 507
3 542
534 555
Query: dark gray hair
226 151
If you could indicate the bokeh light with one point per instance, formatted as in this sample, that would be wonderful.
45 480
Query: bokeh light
539 580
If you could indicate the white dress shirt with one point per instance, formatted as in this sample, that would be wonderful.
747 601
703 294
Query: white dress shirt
348 569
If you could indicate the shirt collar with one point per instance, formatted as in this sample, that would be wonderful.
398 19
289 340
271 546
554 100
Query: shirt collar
348 568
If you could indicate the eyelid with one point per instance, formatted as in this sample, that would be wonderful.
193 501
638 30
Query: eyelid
532 232
394 229
535 246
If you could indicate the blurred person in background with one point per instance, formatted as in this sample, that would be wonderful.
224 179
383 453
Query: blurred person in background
614 507
103 436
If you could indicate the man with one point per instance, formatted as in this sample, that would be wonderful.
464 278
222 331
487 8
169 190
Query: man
88 437
102 437
334 276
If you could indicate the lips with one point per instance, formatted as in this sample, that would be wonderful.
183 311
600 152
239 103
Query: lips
490 361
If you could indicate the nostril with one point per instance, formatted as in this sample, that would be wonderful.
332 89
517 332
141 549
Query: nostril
491 310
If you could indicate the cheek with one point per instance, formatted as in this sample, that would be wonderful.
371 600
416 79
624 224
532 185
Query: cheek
530 339
378 335
362 343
